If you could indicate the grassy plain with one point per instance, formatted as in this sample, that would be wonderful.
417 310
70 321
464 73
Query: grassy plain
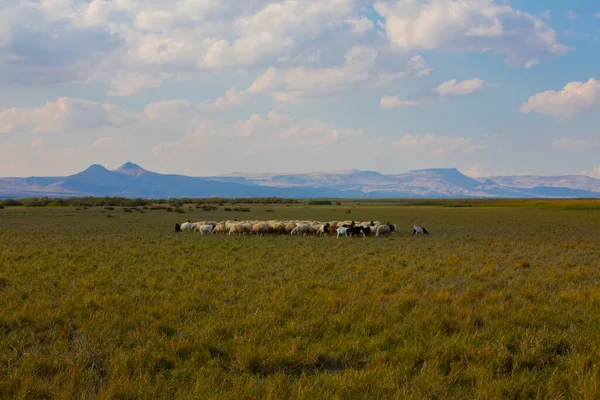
499 302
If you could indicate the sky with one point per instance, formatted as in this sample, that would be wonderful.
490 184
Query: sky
211 87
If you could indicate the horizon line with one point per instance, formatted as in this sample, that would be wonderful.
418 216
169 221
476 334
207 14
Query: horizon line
333 172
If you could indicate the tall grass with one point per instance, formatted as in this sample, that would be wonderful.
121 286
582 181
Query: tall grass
496 303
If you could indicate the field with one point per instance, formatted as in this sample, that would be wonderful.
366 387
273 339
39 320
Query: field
501 301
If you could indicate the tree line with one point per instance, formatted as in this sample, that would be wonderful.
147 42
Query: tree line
136 202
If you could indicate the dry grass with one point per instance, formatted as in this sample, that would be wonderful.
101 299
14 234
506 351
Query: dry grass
497 303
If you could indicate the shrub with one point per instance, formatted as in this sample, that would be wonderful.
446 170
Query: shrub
320 203
12 203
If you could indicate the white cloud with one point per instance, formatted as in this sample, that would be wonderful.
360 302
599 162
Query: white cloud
40 44
140 44
280 136
396 102
301 83
107 142
360 25
432 143
232 97
37 142
359 67
137 45
415 66
63 114
69 151
448 88
168 110
574 98
454 88
468 26
276 27
572 15
478 171
575 144
596 172
196 137
128 83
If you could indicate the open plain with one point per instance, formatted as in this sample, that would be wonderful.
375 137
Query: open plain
502 300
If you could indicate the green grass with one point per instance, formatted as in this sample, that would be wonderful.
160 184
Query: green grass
499 302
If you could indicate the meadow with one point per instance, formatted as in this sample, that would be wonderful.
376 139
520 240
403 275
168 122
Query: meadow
501 301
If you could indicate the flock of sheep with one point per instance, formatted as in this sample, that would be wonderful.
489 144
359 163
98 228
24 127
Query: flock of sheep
293 227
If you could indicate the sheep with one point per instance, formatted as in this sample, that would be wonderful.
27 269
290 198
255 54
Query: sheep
365 230
196 226
293 227
289 227
206 230
323 230
246 228
302 230
277 227
342 231
392 227
229 224
260 228
220 228
417 230
355 230
382 230
234 229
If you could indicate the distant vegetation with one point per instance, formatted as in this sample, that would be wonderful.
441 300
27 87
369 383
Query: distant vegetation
212 204
497 303
320 203
127 202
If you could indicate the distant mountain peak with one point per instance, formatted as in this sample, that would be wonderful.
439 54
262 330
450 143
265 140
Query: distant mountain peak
130 168
96 167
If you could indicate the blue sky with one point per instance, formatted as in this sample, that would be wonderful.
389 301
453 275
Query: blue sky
206 87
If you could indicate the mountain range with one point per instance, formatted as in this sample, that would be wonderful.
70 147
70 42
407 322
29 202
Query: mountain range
131 180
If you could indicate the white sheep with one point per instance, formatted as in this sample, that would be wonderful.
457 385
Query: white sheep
342 231
206 230
417 230
186 226
302 230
